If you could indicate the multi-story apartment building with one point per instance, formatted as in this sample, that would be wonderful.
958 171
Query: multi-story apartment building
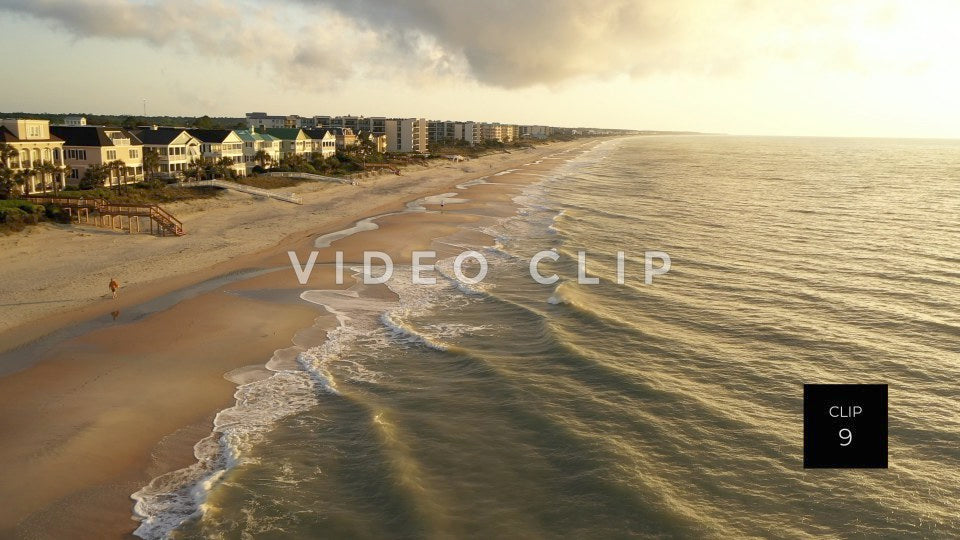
536 132
176 148
254 142
34 144
406 135
261 120
86 146
500 132
324 141
470 132
216 144
473 132
75 120
371 124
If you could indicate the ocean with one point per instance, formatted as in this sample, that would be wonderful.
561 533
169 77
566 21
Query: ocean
512 409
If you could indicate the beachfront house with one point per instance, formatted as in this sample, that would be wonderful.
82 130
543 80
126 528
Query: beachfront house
32 143
117 149
254 143
376 141
293 141
217 144
346 138
175 147
324 141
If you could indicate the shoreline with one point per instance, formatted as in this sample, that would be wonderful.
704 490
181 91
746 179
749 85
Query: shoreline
218 234
278 319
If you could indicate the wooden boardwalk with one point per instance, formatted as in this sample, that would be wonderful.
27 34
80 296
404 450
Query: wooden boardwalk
112 215
226 184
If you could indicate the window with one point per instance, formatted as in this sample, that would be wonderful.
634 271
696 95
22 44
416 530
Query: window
35 131
134 154
74 173
111 155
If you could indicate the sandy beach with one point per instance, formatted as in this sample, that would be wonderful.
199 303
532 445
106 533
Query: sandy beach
99 396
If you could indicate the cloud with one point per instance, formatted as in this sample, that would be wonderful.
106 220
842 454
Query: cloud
517 44
246 32
511 44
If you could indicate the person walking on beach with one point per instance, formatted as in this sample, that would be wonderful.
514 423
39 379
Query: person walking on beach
114 285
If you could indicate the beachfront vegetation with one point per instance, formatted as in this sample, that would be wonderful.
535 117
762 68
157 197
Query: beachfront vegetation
145 193
16 215
340 164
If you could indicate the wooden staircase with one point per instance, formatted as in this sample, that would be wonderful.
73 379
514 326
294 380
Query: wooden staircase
111 214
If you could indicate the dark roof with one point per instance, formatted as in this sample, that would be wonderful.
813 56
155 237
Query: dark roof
210 135
162 135
7 136
319 133
90 135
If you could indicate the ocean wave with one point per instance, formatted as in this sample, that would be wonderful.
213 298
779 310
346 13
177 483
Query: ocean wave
173 498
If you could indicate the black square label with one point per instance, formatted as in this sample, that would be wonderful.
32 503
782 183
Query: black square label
845 426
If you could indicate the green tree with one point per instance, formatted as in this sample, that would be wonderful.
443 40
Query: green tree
94 177
151 162
118 168
223 166
7 153
204 122
48 168
262 157
24 177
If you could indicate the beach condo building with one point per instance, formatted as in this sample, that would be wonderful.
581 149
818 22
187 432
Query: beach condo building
535 132
406 135
473 132
500 132
293 141
75 120
254 143
216 144
324 141
372 124
176 148
86 146
33 144
376 141
260 120
469 132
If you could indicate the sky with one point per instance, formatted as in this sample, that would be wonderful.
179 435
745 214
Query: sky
787 67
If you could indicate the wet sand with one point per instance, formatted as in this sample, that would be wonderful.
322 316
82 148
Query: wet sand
89 419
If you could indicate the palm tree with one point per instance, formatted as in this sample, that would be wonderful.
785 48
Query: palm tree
7 152
64 170
119 168
38 170
222 166
151 162
23 177
262 157
46 168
